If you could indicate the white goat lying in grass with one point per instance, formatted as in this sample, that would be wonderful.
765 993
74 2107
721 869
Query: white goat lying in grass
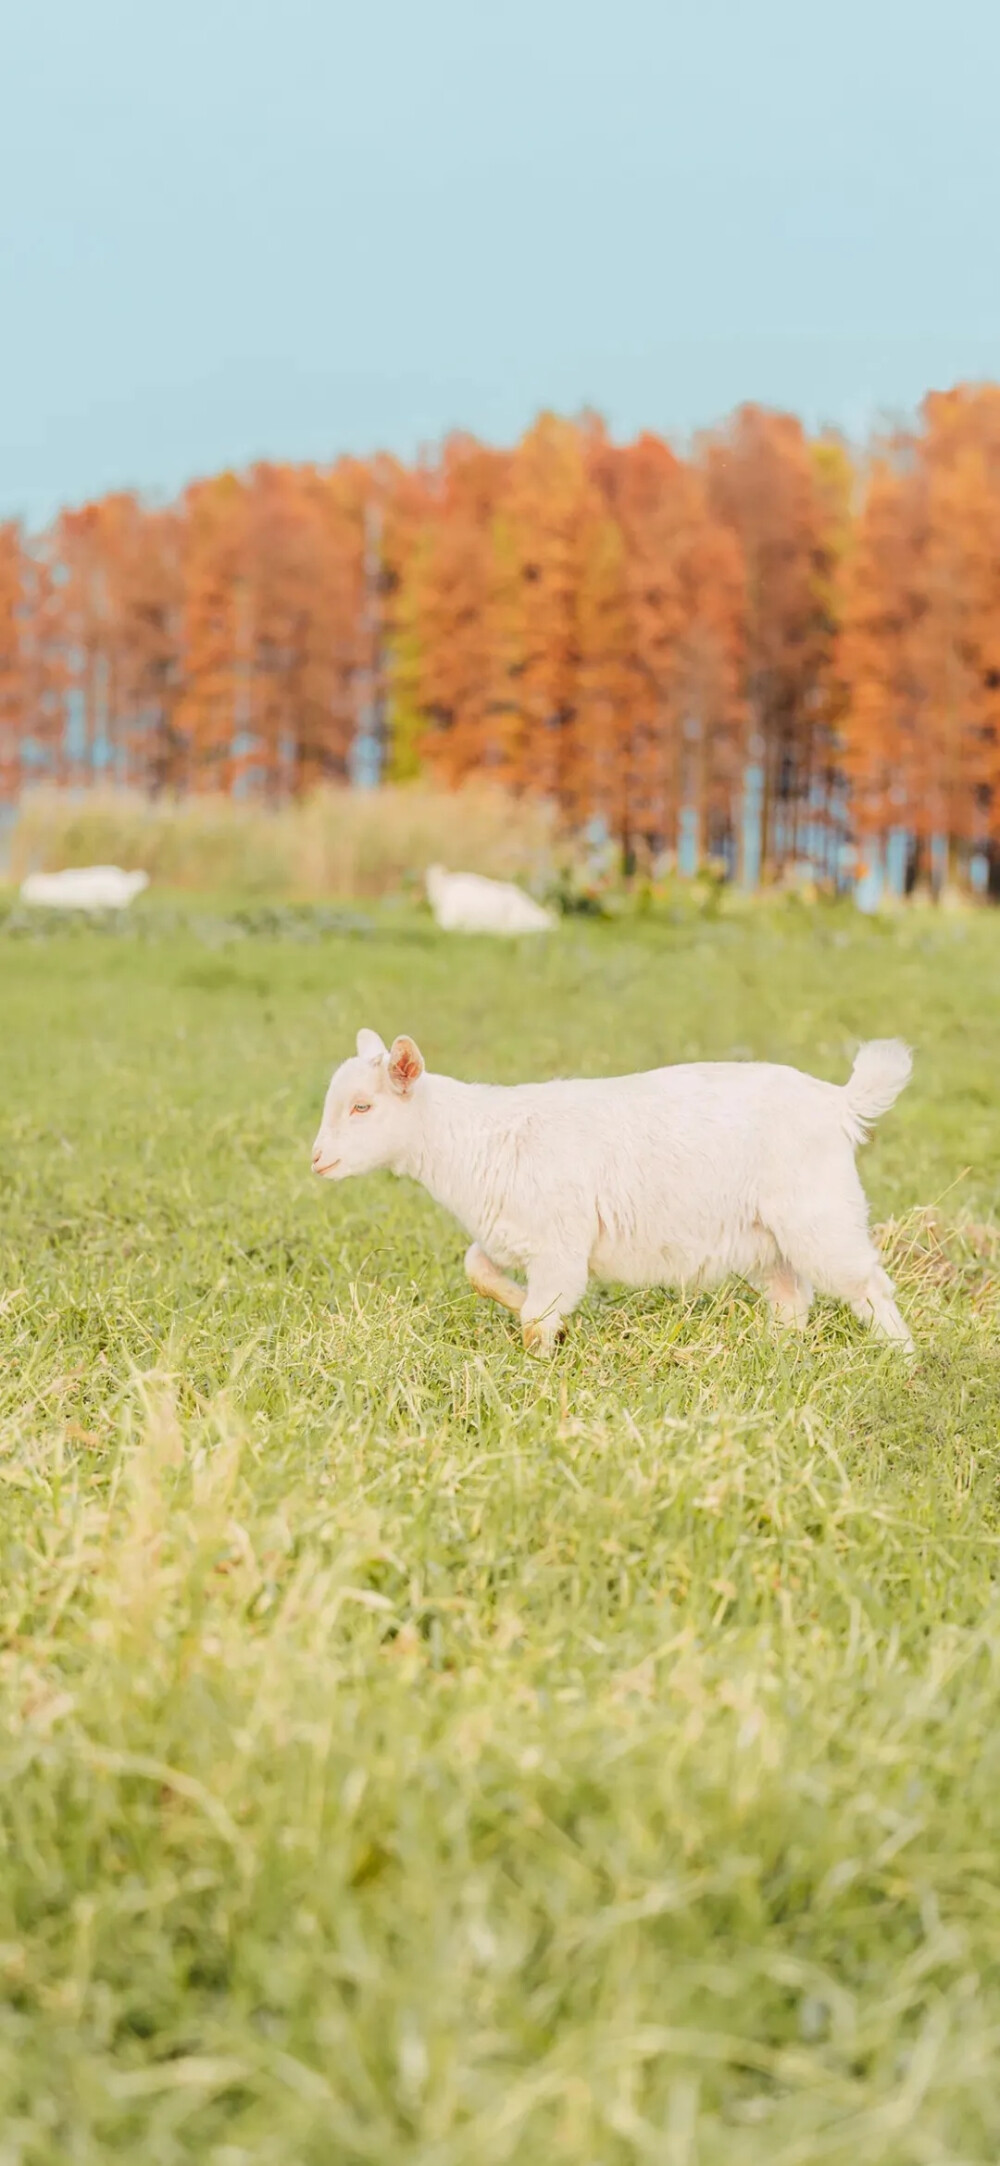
466 902
84 887
672 1178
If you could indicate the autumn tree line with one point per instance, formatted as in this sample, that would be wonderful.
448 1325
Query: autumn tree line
765 650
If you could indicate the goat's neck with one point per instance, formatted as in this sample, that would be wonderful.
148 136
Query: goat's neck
449 1150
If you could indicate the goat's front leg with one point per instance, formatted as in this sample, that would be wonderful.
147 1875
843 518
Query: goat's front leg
555 1285
487 1279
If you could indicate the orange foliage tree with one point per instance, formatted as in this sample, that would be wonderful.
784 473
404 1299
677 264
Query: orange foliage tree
919 650
766 487
658 641
14 575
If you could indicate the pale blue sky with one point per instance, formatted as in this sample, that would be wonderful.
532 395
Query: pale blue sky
239 228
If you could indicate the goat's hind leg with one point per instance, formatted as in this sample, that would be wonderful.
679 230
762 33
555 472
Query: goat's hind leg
788 1295
823 1233
876 1307
488 1280
844 1263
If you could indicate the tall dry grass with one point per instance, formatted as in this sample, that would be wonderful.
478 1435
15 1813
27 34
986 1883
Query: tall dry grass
340 842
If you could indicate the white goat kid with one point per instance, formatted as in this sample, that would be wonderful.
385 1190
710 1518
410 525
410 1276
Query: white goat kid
675 1177
466 902
84 887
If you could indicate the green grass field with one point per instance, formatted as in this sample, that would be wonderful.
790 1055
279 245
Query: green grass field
411 1753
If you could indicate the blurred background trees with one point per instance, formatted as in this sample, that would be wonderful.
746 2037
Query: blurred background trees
761 652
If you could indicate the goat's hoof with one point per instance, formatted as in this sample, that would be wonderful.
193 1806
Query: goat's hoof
541 1340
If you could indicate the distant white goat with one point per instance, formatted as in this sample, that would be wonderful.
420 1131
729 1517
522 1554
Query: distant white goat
84 887
466 902
676 1177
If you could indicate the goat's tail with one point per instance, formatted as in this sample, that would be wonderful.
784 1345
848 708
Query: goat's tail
882 1069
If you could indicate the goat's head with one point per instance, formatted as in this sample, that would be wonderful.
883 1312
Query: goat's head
367 1115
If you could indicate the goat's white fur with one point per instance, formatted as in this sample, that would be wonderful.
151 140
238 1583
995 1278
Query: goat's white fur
84 887
675 1177
466 902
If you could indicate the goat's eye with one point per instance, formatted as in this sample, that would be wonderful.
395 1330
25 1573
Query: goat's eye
361 1107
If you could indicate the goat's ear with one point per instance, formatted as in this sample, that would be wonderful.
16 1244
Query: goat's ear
370 1047
406 1065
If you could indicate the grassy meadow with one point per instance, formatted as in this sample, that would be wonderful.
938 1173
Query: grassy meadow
411 1755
